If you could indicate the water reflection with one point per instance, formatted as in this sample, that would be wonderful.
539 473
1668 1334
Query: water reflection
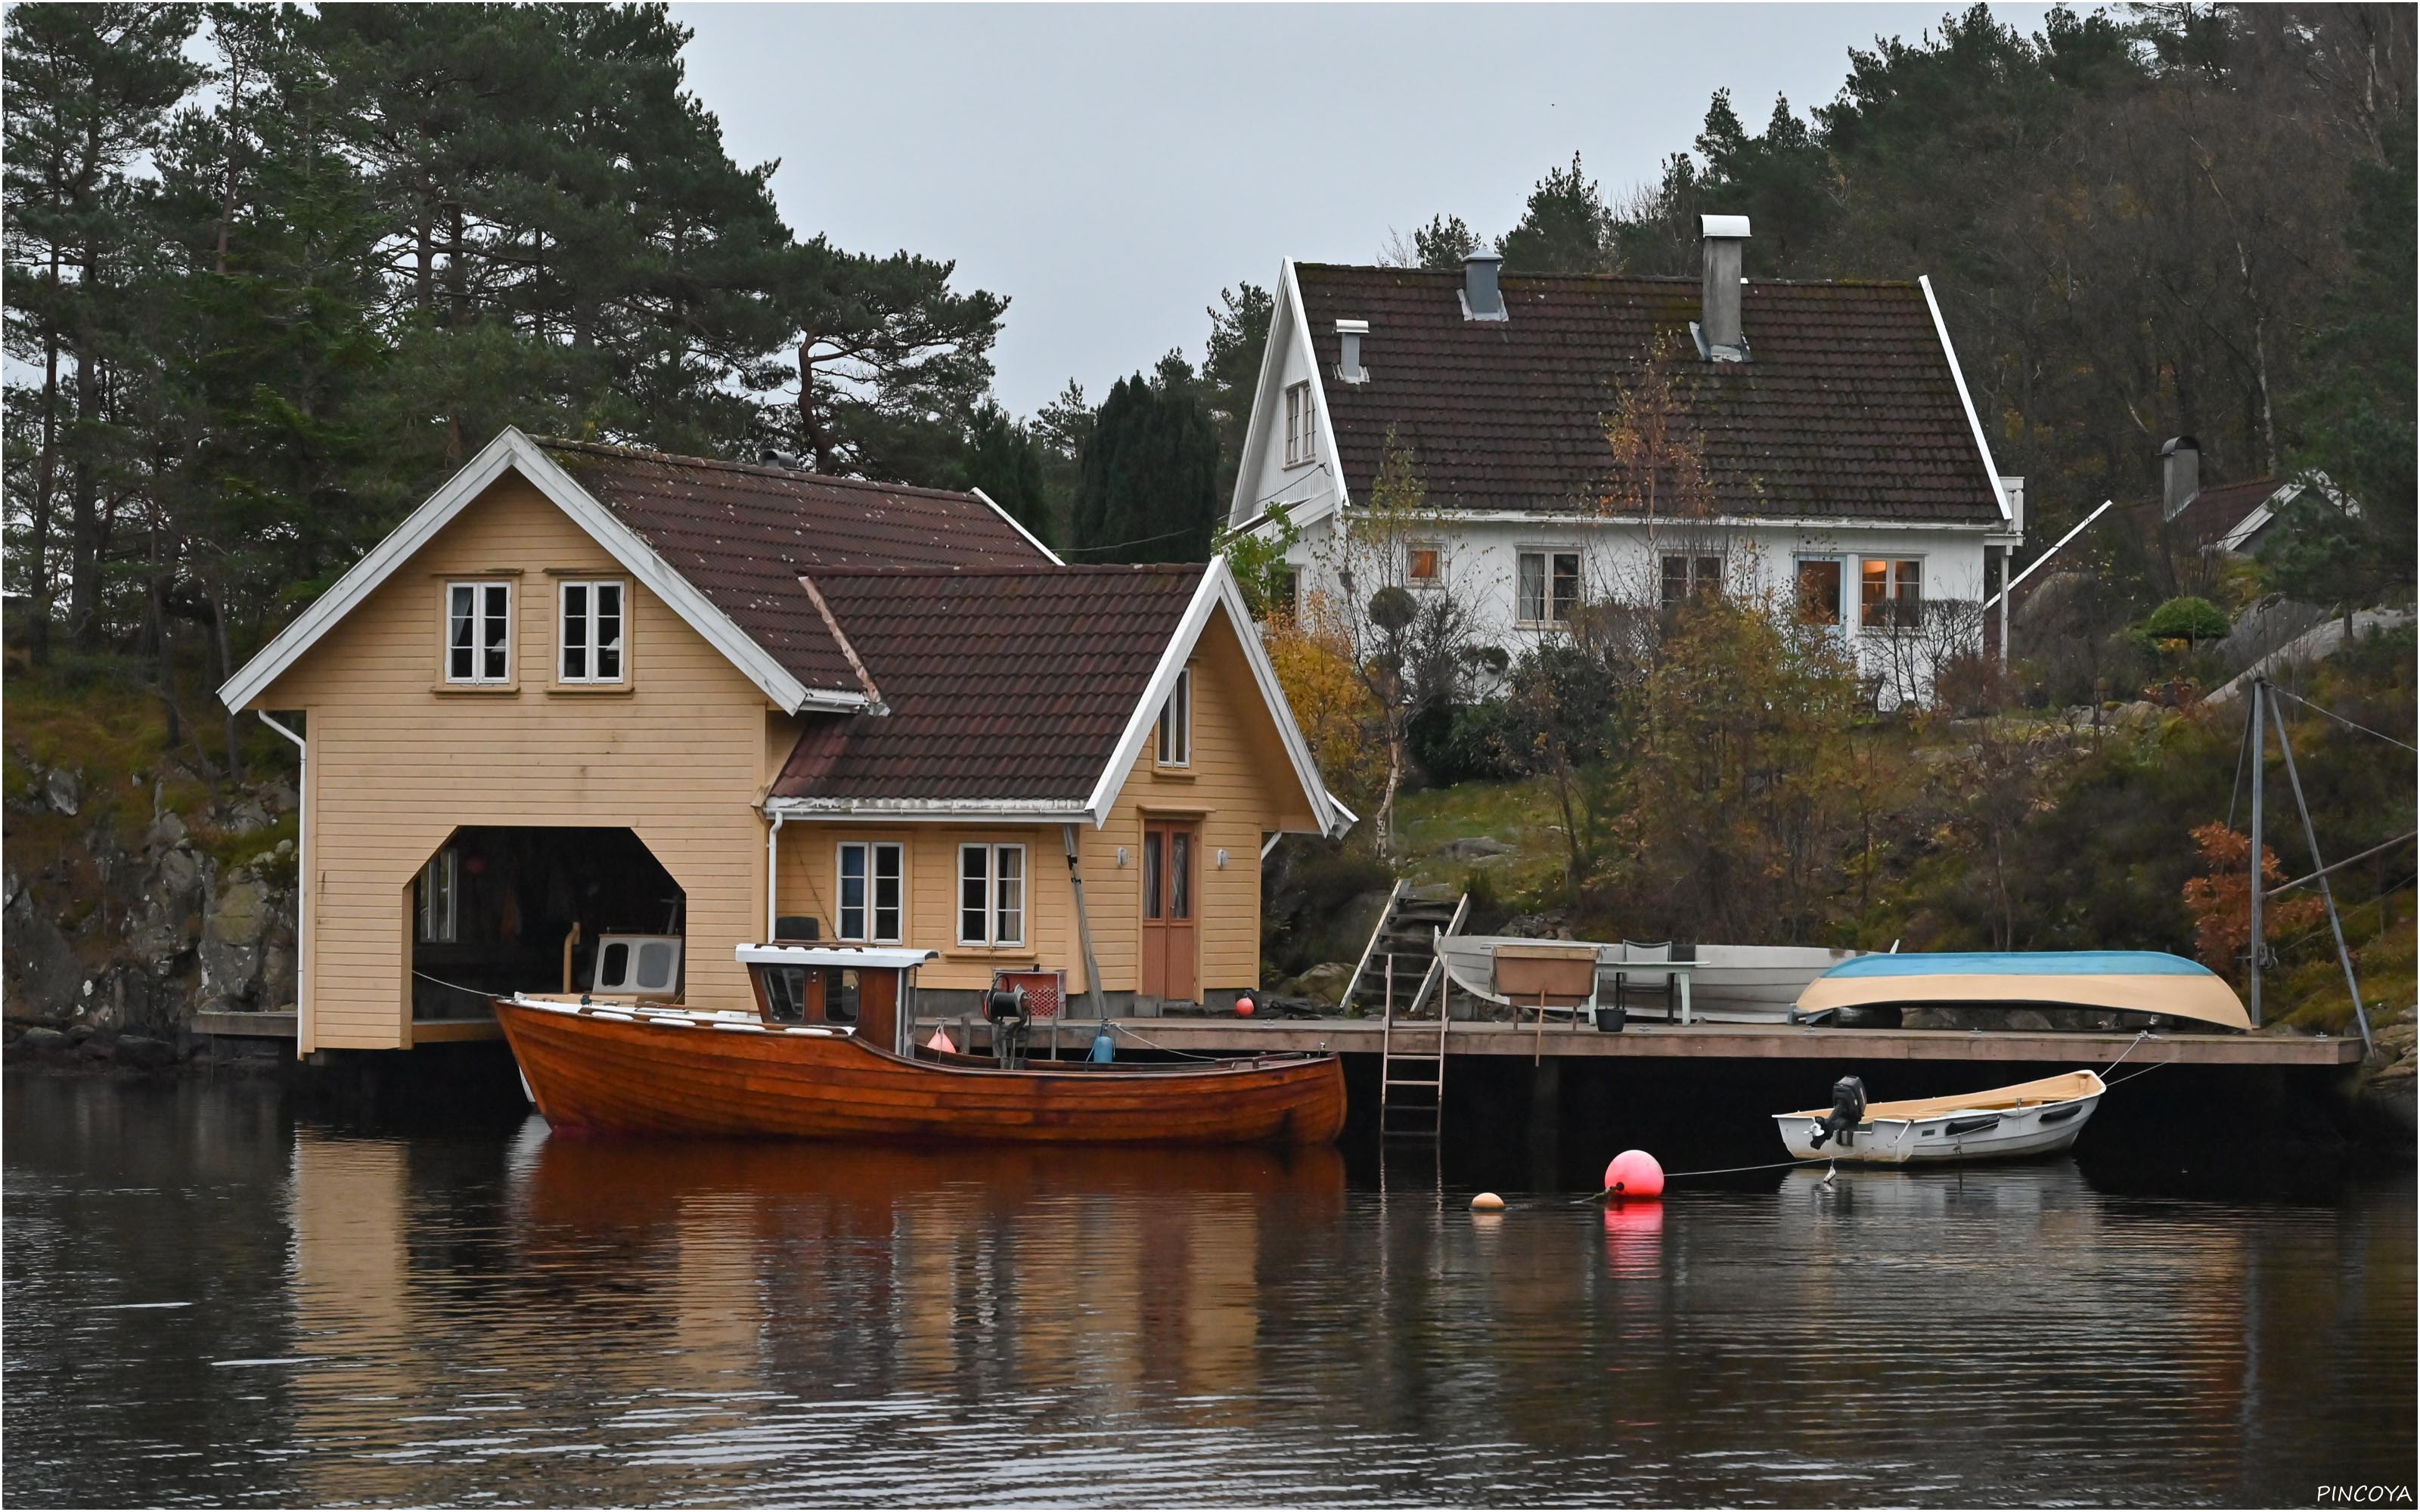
435 1319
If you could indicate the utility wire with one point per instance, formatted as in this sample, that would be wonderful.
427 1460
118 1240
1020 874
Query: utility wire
2341 719
1140 540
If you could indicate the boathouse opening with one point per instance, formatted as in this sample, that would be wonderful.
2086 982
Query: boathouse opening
499 909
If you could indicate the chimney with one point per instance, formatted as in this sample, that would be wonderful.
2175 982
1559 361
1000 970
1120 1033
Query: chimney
2179 476
1348 366
1718 262
1482 299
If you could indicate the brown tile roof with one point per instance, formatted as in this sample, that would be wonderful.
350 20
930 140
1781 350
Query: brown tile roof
2205 517
1847 411
1001 685
742 534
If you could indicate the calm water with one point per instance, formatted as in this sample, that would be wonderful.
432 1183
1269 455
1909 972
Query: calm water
207 1300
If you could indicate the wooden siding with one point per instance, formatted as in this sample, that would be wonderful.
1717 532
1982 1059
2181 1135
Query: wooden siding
397 760
1239 787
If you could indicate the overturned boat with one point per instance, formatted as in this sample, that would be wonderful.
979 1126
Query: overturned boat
2038 1118
826 1054
2143 988
1688 983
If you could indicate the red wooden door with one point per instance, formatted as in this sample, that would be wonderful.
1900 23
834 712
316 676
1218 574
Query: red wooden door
1170 948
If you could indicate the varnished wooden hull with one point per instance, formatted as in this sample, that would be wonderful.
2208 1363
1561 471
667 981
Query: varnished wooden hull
601 1075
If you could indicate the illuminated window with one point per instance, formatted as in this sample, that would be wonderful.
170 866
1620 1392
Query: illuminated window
1891 593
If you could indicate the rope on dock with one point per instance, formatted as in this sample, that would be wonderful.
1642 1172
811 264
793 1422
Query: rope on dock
1168 1050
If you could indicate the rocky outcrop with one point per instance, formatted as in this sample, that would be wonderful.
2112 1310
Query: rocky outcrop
124 918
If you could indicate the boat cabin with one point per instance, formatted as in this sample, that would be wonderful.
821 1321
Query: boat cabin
869 991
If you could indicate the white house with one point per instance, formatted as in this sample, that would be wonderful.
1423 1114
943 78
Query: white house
1850 472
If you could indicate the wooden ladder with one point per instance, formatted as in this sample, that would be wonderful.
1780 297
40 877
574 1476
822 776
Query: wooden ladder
1412 1050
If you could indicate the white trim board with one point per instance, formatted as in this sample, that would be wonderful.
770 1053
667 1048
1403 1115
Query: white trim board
512 450
1974 422
1030 539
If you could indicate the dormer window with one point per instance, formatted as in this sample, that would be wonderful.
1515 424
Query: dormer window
479 632
590 646
1301 444
1176 723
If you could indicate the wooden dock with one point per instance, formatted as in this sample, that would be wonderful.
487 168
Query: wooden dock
1722 1042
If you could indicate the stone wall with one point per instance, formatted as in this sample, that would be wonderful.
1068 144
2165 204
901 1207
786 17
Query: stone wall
131 916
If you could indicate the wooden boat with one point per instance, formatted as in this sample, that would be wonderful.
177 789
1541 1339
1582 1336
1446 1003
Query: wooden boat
2039 1118
810 1063
2147 983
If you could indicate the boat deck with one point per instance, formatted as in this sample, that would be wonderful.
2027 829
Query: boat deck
1724 1042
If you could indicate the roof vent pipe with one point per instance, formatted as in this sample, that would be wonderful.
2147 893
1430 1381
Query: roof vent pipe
1719 264
1482 297
2179 476
1348 366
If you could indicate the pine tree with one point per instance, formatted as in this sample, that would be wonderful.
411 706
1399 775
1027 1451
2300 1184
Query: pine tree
1148 491
89 90
1565 228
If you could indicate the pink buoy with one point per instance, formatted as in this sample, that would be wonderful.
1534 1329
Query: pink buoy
1243 1008
1633 1173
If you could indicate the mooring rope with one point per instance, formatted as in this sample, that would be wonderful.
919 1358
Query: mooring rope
2128 1051
475 992
1166 1050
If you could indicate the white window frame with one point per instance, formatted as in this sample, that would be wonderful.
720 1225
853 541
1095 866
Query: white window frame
483 613
588 644
870 908
1894 624
1176 728
1842 617
1695 582
441 895
1412 551
1546 555
1302 432
1001 899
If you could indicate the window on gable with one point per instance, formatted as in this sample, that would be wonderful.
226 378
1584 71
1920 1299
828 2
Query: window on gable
591 650
1890 591
1301 432
992 895
1176 723
478 632
870 892
1685 577
1547 587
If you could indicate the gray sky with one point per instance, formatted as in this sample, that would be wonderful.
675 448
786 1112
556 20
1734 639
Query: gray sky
1111 167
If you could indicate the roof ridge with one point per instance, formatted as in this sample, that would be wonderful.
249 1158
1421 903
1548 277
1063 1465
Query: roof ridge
1076 568
1687 280
681 459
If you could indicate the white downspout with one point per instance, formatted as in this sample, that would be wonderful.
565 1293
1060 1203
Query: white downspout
304 1037
772 869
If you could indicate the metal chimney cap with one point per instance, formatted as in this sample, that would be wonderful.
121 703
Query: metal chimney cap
2179 443
1722 225
1352 327
1480 257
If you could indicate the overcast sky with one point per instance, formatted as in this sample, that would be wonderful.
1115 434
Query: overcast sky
1111 167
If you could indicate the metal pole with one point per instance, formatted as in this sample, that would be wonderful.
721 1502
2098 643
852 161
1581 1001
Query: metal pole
1084 929
2344 956
2259 759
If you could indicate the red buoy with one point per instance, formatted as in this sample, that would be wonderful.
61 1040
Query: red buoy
1634 1174
1243 1008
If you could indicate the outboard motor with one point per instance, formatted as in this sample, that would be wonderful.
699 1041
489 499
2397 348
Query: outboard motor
1848 1111
1005 1007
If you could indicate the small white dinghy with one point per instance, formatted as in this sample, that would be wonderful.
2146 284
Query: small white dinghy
2031 1118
